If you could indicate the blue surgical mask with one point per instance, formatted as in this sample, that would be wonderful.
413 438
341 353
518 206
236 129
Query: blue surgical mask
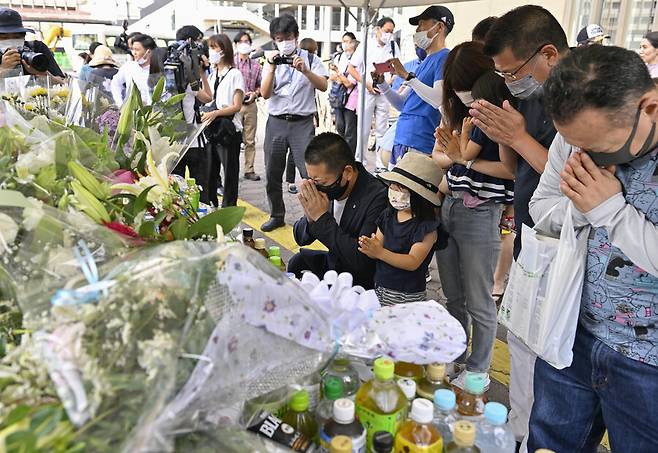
421 53
525 87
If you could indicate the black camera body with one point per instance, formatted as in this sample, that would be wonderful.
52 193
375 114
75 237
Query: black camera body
183 66
37 60
283 59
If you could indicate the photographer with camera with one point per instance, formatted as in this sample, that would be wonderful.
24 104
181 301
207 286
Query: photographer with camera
192 80
136 71
290 78
18 55
224 131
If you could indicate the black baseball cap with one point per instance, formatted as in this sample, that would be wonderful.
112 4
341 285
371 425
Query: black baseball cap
440 13
12 22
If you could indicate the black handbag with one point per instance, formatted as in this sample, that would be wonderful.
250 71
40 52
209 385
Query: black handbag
221 130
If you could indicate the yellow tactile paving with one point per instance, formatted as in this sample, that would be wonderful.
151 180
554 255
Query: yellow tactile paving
254 217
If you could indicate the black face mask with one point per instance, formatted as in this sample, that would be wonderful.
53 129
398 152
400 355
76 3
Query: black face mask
334 191
623 155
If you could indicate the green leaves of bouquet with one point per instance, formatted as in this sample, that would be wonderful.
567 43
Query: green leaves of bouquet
139 118
151 208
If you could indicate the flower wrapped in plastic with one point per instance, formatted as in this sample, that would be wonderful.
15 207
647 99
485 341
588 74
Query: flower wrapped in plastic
88 100
168 347
35 95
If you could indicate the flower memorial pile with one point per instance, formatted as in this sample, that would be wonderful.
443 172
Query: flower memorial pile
129 323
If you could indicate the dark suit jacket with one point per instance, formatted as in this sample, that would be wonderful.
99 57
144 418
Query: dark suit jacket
364 206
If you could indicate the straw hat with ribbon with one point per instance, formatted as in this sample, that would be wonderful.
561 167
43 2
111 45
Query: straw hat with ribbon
419 173
102 55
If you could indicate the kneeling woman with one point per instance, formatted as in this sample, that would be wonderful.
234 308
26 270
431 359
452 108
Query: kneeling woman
224 132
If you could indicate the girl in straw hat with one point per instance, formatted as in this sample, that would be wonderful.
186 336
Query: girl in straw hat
407 231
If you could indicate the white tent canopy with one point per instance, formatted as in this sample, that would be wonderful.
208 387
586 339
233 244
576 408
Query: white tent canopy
368 6
376 4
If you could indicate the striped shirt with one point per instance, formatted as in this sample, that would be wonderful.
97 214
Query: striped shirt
478 185
392 297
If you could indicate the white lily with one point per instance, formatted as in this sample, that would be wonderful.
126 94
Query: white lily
156 177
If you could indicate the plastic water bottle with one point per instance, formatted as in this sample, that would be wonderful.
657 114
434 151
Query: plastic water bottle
493 434
445 414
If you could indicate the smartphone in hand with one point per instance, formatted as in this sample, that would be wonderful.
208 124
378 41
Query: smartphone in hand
383 68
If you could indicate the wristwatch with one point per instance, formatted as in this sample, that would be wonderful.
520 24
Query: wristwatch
469 164
411 75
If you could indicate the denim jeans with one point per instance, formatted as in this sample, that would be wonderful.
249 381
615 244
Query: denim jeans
466 269
601 389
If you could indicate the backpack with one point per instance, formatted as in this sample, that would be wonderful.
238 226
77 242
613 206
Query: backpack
339 95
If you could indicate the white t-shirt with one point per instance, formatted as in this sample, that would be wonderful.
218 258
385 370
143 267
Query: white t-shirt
131 72
231 80
339 208
376 54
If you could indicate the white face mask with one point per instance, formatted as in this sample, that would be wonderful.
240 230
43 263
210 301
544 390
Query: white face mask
142 61
287 47
422 39
13 43
466 97
214 56
385 38
399 200
244 48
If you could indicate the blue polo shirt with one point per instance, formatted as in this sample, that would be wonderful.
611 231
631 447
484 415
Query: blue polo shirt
418 119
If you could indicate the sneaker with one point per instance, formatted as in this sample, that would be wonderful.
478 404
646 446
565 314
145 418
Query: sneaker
252 176
379 170
292 189
459 382
454 369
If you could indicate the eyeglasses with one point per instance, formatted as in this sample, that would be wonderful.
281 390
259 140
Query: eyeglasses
512 75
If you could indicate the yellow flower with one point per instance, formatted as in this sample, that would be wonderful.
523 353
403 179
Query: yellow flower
38 91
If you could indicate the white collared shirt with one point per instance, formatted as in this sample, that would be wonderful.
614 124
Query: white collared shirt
293 92
131 72
376 54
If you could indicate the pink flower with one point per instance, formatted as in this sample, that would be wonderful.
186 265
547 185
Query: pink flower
123 177
126 231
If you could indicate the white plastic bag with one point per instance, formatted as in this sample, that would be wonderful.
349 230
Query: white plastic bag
542 300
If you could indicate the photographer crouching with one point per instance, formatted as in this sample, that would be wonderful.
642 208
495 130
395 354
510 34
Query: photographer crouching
18 57
290 78
185 72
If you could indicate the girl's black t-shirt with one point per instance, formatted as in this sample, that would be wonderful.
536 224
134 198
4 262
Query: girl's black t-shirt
399 237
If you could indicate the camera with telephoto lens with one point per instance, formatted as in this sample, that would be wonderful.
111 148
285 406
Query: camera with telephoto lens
37 60
183 66
283 59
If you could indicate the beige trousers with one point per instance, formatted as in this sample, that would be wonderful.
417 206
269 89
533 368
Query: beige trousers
249 124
